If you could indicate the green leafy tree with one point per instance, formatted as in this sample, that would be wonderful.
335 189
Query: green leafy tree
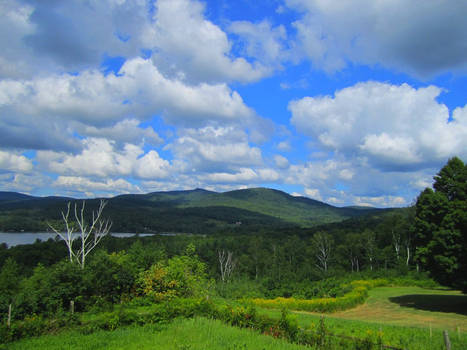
9 284
440 226
49 290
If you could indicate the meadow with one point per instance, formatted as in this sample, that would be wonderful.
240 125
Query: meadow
406 317
389 317
181 334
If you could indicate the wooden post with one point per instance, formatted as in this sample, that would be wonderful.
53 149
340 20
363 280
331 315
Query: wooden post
431 331
8 322
447 342
380 337
72 307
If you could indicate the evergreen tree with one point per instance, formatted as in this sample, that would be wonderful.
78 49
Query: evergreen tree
440 226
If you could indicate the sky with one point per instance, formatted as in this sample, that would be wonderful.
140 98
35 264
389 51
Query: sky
352 102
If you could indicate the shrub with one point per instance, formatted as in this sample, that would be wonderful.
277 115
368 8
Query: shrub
49 290
357 295
181 276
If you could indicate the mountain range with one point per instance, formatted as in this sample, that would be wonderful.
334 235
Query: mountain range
192 211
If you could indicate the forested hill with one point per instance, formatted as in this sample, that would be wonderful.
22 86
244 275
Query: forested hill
195 211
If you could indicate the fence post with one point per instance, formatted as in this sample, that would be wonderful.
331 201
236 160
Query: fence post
431 331
447 342
72 306
8 322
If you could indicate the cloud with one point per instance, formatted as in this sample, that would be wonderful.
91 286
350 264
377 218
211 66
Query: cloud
86 185
14 25
215 148
72 35
100 158
420 37
14 163
342 181
25 183
109 104
186 44
284 146
64 36
246 176
392 127
313 193
281 162
126 131
261 41
139 90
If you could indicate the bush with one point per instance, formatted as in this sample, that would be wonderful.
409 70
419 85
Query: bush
181 276
109 276
357 295
50 290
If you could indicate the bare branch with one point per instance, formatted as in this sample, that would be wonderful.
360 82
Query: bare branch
90 236
226 263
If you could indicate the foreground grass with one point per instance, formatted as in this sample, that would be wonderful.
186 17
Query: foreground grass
181 334
403 314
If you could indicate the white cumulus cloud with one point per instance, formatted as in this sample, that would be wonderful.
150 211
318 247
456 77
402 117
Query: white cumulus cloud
214 148
389 126
187 44
14 162
100 158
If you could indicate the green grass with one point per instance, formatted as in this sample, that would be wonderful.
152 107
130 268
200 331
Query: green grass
403 314
411 318
181 334
413 306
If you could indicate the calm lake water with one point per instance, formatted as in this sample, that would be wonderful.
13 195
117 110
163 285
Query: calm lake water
12 239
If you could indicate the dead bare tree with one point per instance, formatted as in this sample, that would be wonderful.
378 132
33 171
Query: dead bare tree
226 263
89 234
322 245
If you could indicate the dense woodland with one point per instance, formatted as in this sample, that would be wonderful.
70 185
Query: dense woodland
426 239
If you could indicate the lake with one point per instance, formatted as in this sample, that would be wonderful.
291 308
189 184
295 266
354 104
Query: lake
12 239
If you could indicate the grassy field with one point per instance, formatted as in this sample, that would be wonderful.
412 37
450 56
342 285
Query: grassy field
413 306
181 334
403 315
409 318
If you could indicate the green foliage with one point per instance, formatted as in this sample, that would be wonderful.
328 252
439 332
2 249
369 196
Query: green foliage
180 276
49 290
109 276
9 284
440 226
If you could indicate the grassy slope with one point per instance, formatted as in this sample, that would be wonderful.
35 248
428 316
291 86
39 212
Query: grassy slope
402 326
413 306
181 334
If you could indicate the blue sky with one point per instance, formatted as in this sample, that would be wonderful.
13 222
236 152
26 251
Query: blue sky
348 102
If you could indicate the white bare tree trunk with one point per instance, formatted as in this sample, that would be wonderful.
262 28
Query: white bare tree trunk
396 241
322 244
227 264
90 235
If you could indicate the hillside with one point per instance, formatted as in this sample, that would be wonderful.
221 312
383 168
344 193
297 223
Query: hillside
194 211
